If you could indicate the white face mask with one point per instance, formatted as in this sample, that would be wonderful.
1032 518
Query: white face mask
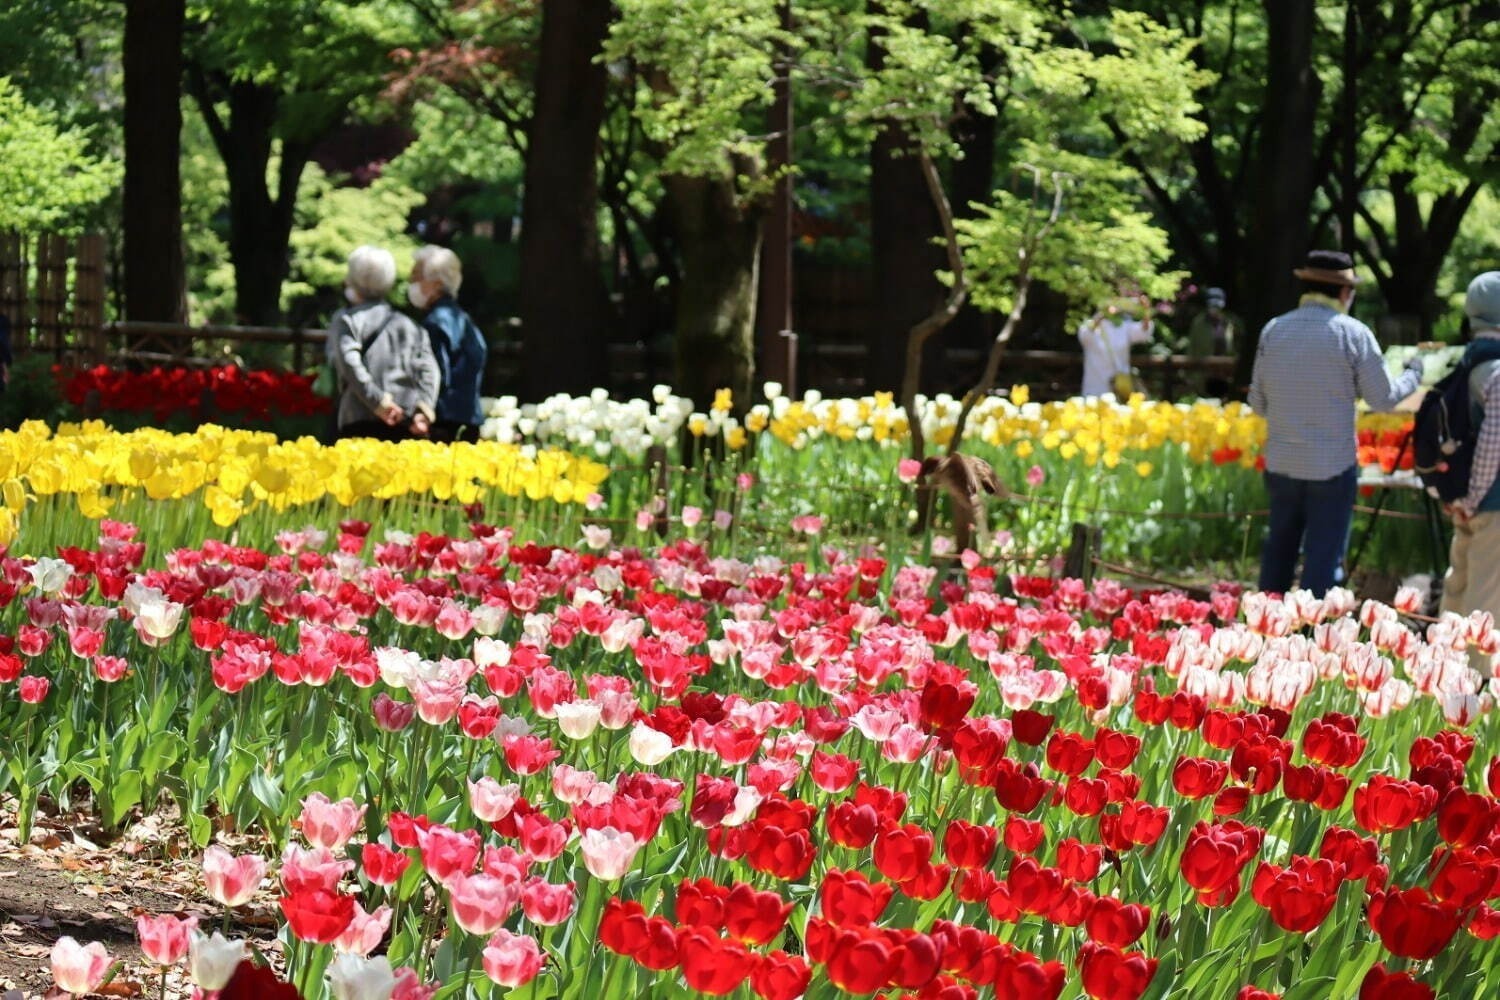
415 295
352 296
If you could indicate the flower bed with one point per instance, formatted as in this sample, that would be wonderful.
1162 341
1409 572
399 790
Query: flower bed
184 480
622 773
225 393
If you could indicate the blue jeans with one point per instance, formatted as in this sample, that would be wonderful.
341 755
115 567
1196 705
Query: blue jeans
1310 517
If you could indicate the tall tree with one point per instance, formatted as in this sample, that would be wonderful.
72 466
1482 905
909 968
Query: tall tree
273 78
155 282
564 310
905 254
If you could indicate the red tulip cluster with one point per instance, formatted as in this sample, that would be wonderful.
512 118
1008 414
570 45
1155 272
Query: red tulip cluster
921 788
199 394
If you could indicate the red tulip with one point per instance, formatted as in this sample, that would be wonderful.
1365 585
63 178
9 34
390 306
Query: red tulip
1300 896
318 915
752 916
1384 803
1255 993
1069 753
1109 974
851 900
1381 985
1079 862
1465 820
1411 923
1033 888
625 929
862 961
779 976
1030 727
902 851
852 825
1116 924
1023 836
381 865
701 903
1357 855
969 845
712 964
1116 750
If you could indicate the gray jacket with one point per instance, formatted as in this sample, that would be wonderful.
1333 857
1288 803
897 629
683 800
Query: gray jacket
381 357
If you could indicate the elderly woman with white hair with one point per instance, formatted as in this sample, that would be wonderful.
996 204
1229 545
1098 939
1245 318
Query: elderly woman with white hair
457 344
387 375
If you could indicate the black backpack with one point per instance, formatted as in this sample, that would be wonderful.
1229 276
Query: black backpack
1445 430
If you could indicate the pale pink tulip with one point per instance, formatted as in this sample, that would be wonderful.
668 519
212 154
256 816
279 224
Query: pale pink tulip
482 903
329 824
512 959
364 932
79 968
164 939
608 853
232 880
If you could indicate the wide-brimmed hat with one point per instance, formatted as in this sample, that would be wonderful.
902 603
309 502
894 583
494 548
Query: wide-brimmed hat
1328 267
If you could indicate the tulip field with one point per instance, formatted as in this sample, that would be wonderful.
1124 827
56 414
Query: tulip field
500 720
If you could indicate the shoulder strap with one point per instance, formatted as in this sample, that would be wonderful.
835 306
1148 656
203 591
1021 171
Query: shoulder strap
373 336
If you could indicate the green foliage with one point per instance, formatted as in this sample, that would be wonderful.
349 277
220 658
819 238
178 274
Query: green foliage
1102 239
47 176
334 220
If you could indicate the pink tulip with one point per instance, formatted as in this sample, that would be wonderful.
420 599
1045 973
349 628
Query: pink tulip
34 689
492 801
446 853
608 853
547 905
512 959
1035 476
232 880
908 469
364 931
110 668
329 824
482 903
164 939
314 868
78 968
392 715
409 987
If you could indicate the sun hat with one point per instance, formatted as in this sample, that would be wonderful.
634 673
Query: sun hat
1328 267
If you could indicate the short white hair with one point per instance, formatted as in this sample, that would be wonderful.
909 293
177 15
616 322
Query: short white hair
441 265
372 272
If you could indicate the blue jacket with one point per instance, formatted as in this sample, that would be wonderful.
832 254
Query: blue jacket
461 351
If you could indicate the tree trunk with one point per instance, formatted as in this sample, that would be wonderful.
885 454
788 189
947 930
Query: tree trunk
972 179
260 220
1285 175
564 305
904 254
155 285
719 240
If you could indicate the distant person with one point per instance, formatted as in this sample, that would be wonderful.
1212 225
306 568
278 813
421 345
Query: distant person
1473 580
388 378
6 358
457 344
1213 333
1106 339
1312 364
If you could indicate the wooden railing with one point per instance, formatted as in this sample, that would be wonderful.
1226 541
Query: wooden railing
831 368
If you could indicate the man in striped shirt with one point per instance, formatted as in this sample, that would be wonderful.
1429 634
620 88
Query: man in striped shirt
1473 581
1312 364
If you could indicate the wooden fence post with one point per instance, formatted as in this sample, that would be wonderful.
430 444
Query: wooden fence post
88 298
13 288
1079 562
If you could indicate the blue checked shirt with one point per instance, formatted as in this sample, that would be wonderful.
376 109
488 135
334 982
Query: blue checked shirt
1487 446
1313 363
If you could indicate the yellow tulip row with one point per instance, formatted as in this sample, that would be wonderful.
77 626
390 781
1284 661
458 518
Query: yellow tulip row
234 471
1098 430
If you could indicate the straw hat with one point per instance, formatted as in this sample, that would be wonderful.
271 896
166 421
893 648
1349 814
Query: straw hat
1328 267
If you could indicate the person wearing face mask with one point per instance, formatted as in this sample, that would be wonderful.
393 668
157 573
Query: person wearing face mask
1311 366
457 344
387 375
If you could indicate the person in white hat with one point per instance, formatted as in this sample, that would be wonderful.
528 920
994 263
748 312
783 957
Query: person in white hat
1106 339
1311 367
1473 580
